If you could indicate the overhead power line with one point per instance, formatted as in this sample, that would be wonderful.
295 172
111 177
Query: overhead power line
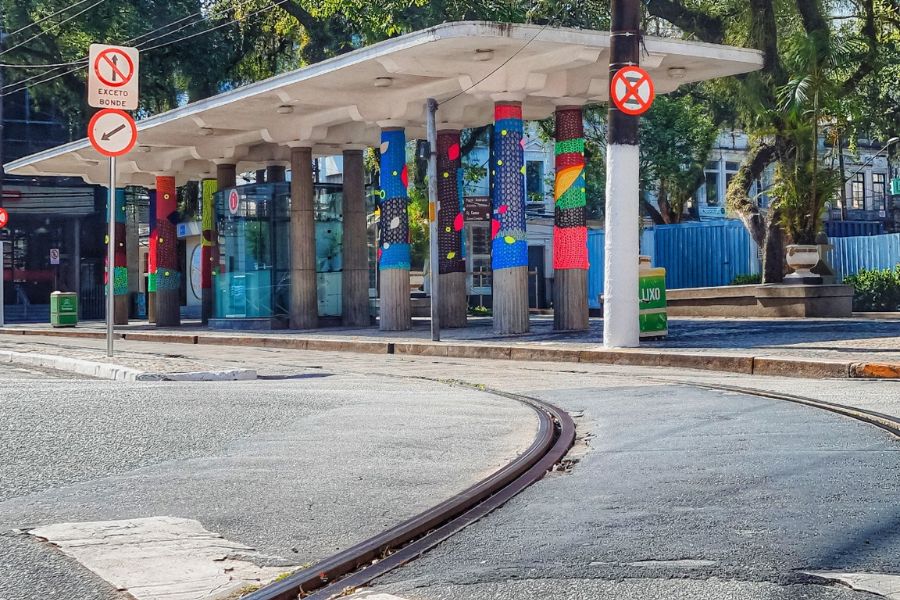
55 25
50 16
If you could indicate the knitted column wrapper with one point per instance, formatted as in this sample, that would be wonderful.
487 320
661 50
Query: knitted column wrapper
393 225
570 220
509 248
450 218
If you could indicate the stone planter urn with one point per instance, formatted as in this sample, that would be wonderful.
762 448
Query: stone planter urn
801 258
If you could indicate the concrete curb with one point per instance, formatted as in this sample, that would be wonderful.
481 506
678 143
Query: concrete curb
113 372
746 364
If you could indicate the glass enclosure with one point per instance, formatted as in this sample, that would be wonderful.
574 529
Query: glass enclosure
252 280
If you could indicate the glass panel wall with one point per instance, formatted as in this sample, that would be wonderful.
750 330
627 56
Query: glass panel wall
253 279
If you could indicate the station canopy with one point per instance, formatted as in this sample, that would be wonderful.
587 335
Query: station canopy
342 103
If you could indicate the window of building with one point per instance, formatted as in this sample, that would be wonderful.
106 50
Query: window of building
534 180
879 190
858 191
712 184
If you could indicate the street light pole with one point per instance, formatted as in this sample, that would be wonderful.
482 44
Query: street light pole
433 259
620 305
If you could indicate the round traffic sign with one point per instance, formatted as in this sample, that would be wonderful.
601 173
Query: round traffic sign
112 132
4 218
233 202
631 90
114 67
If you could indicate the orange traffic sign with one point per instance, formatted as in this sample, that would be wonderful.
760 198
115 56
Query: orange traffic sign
631 90
112 132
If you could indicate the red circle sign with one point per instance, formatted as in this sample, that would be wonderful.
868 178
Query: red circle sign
4 218
233 202
112 132
631 90
111 70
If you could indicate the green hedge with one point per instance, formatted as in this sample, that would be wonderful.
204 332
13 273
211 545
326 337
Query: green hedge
876 290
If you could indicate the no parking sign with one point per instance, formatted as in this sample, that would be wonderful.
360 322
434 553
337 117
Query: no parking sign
631 90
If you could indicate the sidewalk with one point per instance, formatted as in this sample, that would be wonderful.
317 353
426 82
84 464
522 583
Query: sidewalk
857 347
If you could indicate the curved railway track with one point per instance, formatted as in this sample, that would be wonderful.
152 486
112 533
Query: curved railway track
359 565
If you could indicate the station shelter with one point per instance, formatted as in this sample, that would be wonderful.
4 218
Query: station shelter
275 263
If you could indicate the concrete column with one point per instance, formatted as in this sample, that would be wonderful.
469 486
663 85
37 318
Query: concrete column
76 259
168 277
120 266
355 276
304 312
208 238
133 250
509 248
451 262
395 311
275 174
152 255
570 254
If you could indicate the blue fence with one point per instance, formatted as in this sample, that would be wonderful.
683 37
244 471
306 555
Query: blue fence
853 228
704 254
713 253
852 254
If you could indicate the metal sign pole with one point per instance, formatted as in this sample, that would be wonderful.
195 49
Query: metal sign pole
111 257
434 264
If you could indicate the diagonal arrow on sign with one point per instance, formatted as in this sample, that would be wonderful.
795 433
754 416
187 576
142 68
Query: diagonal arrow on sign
105 137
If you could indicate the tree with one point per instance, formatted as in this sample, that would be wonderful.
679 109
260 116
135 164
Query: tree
765 24
677 135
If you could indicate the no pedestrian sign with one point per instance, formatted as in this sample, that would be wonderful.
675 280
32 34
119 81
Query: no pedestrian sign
112 132
113 77
631 90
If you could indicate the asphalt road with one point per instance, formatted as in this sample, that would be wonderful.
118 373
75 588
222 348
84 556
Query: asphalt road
683 493
297 468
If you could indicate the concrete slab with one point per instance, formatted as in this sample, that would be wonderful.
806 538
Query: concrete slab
161 558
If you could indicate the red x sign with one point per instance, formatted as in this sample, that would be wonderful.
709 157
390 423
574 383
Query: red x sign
631 90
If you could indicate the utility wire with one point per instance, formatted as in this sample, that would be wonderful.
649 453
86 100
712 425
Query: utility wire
55 25
498 67
50 16
18 86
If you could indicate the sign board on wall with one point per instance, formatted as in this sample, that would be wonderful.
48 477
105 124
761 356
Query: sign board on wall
54 256
477 208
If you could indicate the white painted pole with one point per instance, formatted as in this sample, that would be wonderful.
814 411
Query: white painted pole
434 265
111 257
621 328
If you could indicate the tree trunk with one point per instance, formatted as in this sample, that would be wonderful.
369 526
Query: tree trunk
773 248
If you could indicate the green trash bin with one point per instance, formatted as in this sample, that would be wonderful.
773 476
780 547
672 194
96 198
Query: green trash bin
64 309
652 296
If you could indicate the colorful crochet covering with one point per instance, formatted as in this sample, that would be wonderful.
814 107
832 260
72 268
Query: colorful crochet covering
393 253
167 275
120 268
450 217
208 231
509 248
570 224
151 256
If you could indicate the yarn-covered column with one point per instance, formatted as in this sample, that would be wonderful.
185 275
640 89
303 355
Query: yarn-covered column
570 254
393 249
152 254
509 248
451 262
168 276
208 240
120 268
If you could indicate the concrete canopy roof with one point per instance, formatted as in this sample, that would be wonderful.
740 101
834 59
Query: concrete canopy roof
344 102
